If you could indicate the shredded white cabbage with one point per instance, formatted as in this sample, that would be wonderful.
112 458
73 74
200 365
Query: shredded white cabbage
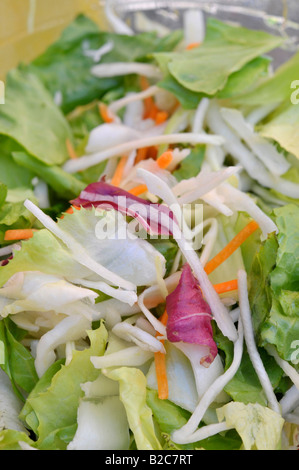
138 336
288 369
194 26
97 54
158 326
240 152
102 425
120 294
87 161
133 356
77 250
69 329
222 318
10 406
117 24
289 401
117 105
261 147
193 189
257 363
189 433
239 201
114 69
8 250
200 115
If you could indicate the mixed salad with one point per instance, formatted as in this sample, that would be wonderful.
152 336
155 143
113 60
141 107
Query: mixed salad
149 232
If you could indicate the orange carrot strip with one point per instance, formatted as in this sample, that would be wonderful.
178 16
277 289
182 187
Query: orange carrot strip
153 111
152 152
226 286
231 247
116 179
192 45
104 111
70 210
140 189
70 149
163 319
161 117
160 365
19 234
141 154
165 159
144 84
150 109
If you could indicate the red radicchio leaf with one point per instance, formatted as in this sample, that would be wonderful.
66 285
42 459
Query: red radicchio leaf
6 261
155 218
189 315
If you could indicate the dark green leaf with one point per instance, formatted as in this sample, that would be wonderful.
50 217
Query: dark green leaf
19 363
30 118
191 165
64 184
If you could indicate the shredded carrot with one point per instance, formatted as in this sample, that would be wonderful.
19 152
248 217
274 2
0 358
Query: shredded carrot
117 177
104 112
163 319
231 247
140 189
226 286
152 152
70 210
144 84
160 365
141 154
70 149
165 159
192 45
161 117
150 108
19 234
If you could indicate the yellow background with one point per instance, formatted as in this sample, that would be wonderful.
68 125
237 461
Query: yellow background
23 36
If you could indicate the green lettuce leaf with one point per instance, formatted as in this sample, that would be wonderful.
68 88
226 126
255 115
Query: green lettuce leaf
3 193
12 175
65 68
276 89
43 252
17 362
10 440
259 427
27 413
13 213
65 185
225 50
55 408
191 165
31 118
283 128
132 389
245 79
245 386
170 417
273 285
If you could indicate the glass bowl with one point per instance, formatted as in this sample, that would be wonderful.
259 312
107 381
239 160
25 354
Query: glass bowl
280 17
27 27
